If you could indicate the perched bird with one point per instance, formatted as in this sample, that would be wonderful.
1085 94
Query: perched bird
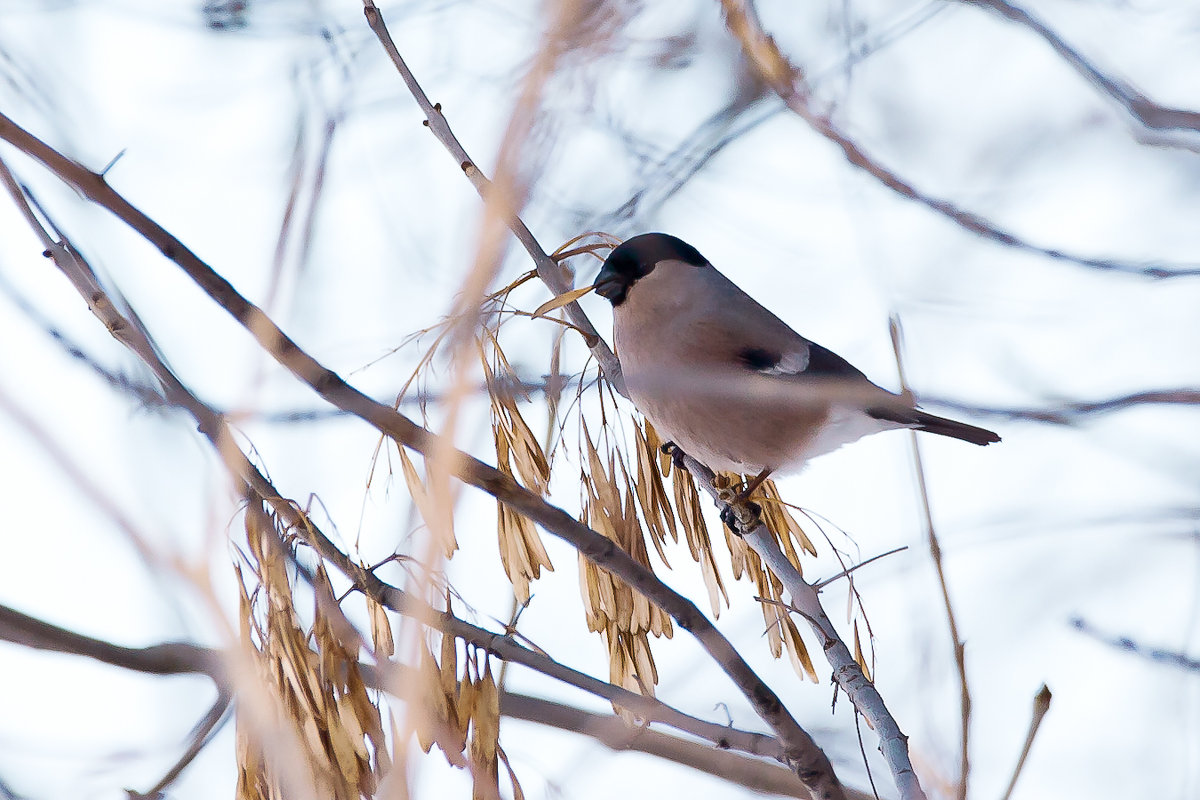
729 382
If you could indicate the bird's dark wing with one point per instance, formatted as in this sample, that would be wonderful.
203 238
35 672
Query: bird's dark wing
804 359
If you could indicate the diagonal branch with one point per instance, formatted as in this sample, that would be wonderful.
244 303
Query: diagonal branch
801 751
548 270
170 658
608 729
26 630
614 733
1142 108
893 744
789 83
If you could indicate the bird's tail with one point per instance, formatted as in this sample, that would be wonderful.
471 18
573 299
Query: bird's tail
923 421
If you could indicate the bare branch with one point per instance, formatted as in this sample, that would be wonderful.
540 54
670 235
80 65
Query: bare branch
1142 108
143 394
201 735
549 271
172 658
810 762
506 647
846 671
1155 654
1041 704
935 554
789 83
1072 412
614 733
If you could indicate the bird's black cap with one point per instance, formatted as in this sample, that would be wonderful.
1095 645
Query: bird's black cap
635 258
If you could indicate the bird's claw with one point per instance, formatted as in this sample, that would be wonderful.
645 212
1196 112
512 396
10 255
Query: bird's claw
675 452
742 516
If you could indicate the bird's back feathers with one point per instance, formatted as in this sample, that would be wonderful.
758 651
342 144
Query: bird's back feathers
727 380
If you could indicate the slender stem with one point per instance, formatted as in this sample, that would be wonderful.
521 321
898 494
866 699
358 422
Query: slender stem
848 675
1041 704
548 270
935 554
801 751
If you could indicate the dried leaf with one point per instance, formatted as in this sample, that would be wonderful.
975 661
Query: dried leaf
381 629
448 666
468 700
801 660
485 732
560 301
858 653
420 496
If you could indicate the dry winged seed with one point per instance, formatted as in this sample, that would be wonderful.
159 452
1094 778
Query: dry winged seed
619 670
801 661
448 668
381 629
533 545
645 666
468 698
560 301
858 653
425 507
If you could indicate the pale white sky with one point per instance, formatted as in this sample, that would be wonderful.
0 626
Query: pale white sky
1097 520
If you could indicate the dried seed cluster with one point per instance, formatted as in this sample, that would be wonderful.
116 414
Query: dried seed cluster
781 626
310 680
463 717
518 454
619 612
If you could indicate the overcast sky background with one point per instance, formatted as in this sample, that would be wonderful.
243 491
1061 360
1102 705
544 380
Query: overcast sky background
1095 520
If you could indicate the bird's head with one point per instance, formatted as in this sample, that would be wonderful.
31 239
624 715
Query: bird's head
636 258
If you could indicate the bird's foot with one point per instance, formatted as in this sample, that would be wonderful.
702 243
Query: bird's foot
741 516
739 513
675 452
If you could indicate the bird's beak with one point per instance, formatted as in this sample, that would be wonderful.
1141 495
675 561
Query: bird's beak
610 285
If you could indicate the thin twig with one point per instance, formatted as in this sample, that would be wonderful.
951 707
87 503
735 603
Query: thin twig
801 751
146 396
1041 704
1072 412
548 270
893 744
201 735
854 568
1156 654
790 84
1142 108
935 554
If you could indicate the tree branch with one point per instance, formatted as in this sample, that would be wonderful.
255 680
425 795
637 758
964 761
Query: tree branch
615 734
789 83
846 671
171 658
177 658
801 751
548 270
1140 107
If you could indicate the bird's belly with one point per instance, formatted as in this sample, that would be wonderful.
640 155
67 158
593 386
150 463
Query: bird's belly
733 433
